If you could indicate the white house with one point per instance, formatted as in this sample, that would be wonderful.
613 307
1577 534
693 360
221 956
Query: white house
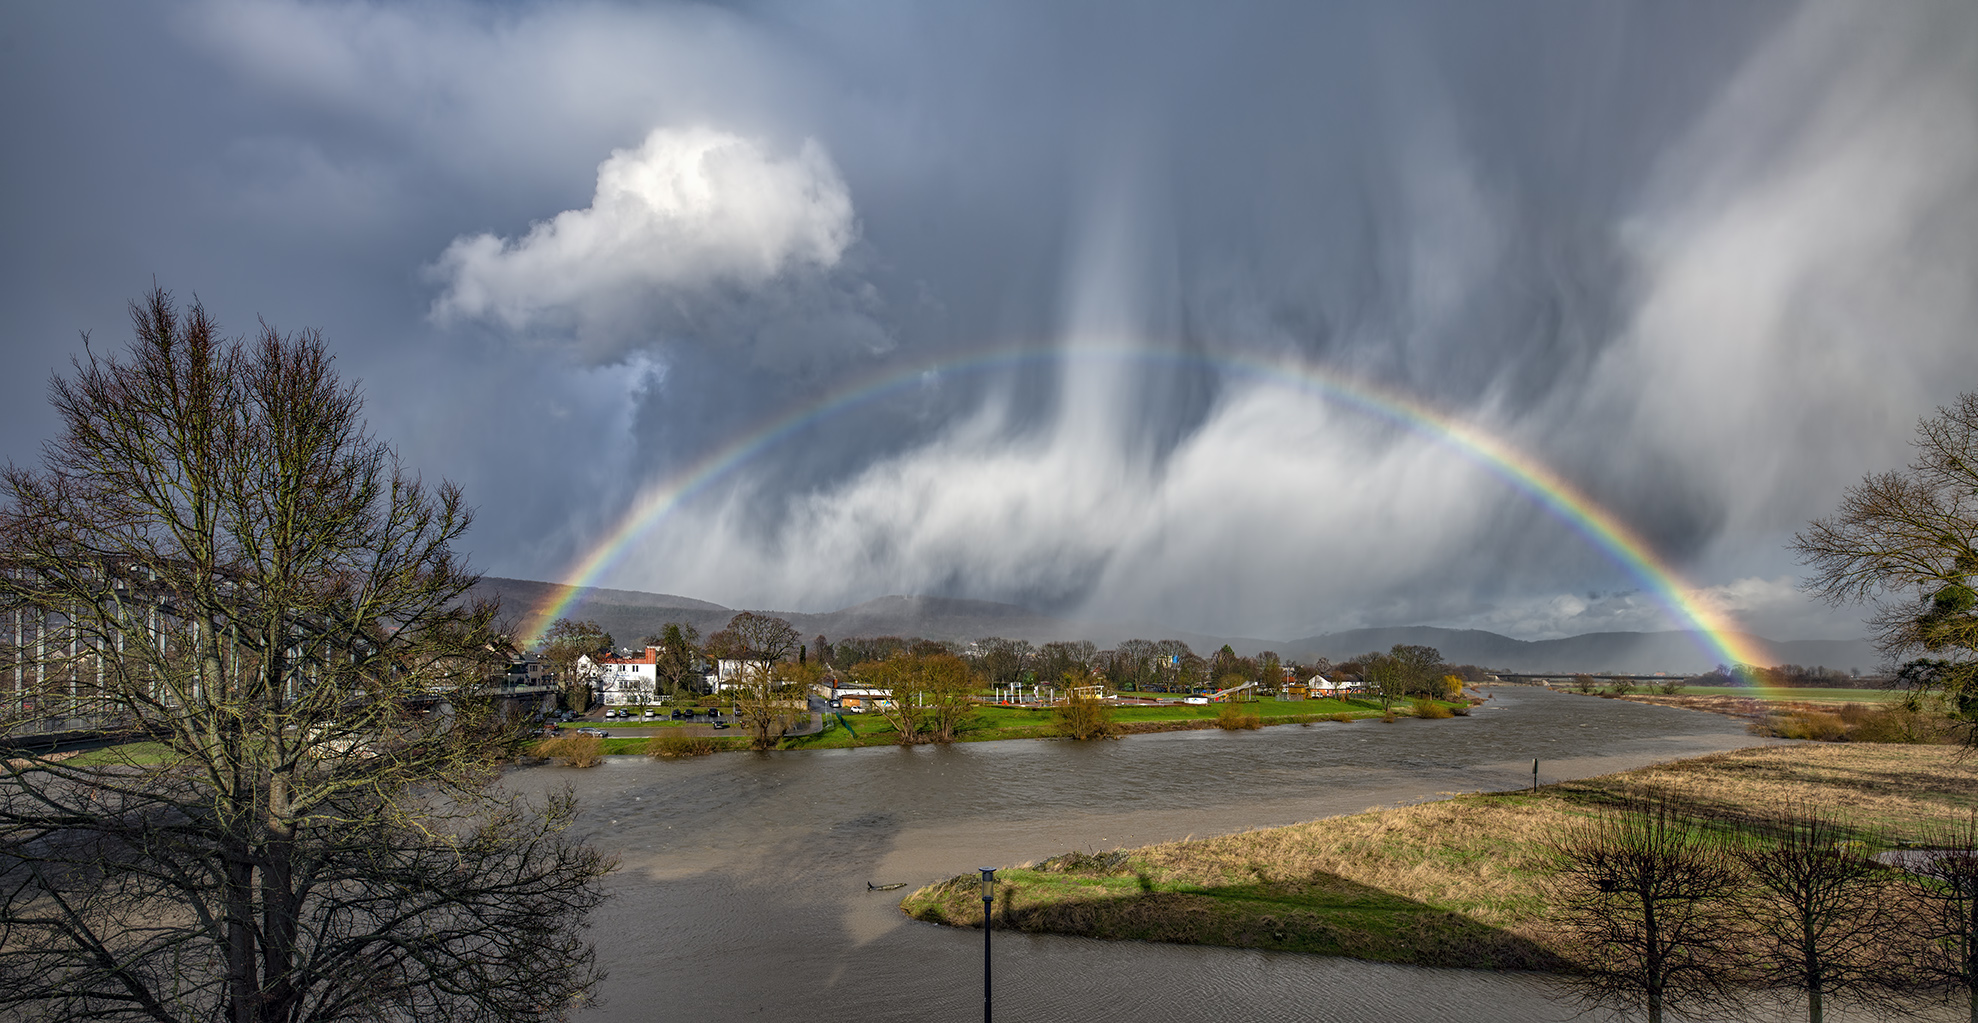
1319 684
727 674
621 680
853 696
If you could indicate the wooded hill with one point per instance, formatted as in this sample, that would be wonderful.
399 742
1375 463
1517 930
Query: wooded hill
630 614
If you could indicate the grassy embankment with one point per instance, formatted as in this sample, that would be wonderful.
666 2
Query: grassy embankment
993 722
996 722
1460 882
1800 695
1825 715
990 723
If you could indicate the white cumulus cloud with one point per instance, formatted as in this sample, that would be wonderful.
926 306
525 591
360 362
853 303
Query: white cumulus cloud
690 209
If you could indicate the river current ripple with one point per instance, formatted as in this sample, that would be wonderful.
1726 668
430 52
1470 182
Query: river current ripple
741 891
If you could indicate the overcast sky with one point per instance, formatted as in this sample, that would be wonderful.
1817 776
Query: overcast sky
1708 261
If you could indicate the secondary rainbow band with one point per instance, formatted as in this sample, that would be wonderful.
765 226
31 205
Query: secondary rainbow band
1524 473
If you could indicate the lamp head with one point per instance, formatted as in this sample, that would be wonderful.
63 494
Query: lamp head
988 883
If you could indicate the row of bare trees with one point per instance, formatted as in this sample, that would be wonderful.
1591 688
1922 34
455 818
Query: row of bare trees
1672 911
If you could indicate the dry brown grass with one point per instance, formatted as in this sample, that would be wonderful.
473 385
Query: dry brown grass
1460 882
1824 720
672 746
1734 706
1456 853
1231 717
1903 790
573 750
1857 722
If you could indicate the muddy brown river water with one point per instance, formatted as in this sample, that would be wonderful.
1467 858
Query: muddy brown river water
741 892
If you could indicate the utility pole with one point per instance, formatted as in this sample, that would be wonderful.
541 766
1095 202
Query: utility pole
988 896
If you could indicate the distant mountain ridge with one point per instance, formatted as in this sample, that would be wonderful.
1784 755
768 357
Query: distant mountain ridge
631 614
1593 652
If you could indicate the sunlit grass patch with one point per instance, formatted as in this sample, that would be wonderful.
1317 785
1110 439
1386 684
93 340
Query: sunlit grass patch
1461 882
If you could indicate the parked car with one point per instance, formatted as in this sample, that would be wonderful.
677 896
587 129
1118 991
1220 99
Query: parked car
610 713
599 732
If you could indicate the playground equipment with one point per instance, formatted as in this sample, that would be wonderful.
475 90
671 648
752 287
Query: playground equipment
1223 694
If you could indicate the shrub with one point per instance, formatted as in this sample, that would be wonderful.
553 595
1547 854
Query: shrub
1427 708
1808 724
573 750
1343 718
1895 723
681 746
1230 717
1081 717
1623 687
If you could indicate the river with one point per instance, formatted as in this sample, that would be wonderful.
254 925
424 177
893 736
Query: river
741 891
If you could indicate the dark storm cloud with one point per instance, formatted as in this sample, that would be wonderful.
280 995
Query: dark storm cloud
1708 261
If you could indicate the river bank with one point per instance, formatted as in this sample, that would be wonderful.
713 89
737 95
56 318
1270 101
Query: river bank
1459 882
741 890
994 723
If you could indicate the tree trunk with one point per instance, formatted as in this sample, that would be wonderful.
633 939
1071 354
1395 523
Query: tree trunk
243 982
1652 973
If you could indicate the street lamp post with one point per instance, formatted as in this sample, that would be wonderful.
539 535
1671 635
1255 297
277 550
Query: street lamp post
988 897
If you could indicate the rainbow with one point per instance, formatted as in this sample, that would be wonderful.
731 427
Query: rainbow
1521 471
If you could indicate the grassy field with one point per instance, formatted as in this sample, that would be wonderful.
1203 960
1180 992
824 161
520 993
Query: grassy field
1460 882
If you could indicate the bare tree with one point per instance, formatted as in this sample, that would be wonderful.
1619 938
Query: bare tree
931 695
1084 714
1386 677
901 707
1820 909
1649 900
1056 658
1004 660
761 698
564 647
1942 881
247 580
1907 541
1421 668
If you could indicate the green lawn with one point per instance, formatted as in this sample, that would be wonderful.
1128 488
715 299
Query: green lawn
993 722
134 753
